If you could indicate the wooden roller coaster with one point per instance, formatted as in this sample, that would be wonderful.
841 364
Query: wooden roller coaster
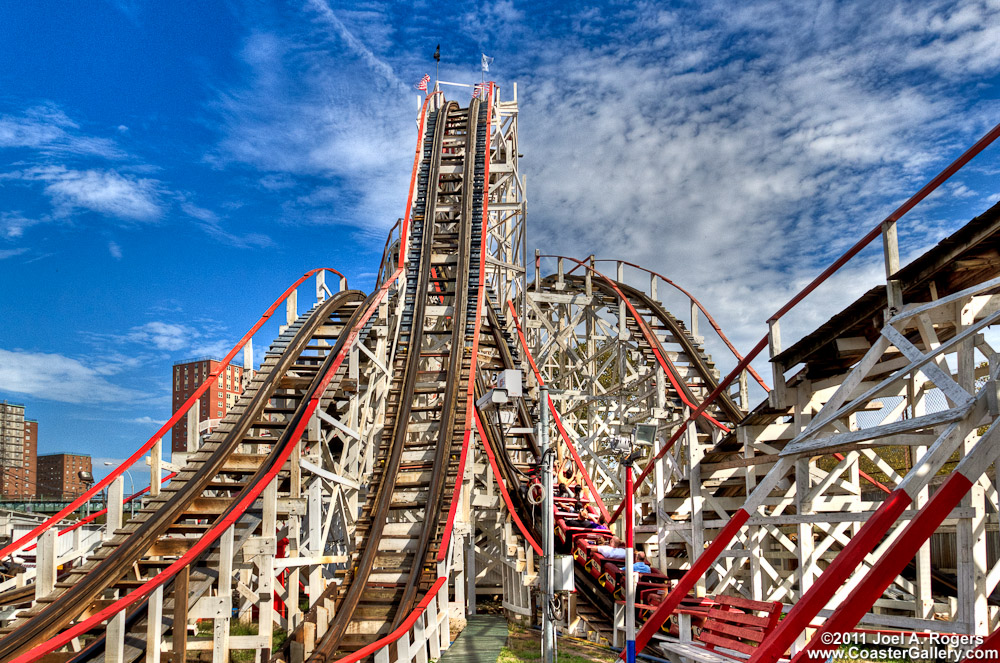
367 487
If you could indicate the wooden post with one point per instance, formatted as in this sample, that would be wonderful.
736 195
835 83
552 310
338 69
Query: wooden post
193 421
265 568
315 539
45 579
220 625
179 643
248 356
154 625
155 460
292 307
890 249
116 493
114 643
321 285
777 395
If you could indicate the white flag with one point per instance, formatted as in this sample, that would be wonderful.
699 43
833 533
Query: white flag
486 62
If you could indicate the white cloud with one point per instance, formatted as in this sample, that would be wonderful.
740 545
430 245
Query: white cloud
13 224
48 129
738 150
115 250
56 377
163 335
10 253
323 101
210 222
147 420
104 191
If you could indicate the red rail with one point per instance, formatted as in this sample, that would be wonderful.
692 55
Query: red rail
694 300
480 296
230 519
158 435
664 361
407 624
503 490
97 514
555 416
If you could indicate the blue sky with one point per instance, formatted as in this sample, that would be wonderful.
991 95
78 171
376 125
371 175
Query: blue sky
170 167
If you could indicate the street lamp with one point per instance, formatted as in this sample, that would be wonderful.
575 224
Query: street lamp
87 479
131 502
626 448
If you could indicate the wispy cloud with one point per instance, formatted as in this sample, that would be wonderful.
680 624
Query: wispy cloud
13 224
213 226
56 377
10 253
145 421
163 335
104 191
320 101
48 129
739 149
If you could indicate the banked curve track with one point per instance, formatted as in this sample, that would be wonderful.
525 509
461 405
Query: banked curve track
233 458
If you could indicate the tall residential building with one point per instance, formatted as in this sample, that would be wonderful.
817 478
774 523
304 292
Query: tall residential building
214 403
59 475
18 446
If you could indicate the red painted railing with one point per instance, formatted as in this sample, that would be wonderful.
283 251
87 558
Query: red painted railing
694 300
555 416
97 514
480 297
525 532
407 624
165 428
668 366
213 534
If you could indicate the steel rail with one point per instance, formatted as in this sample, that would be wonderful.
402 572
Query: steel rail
51 618
663 360
281 454
17 545
694 300
456 358
382 501
480 302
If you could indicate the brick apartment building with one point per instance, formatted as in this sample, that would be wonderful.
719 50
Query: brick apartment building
18 449
59 475
188 375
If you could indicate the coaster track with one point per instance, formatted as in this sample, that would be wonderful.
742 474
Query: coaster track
214 479
387 385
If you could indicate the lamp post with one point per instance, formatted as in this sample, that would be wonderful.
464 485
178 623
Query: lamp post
643 436
87 479
548 529
131 483
629 571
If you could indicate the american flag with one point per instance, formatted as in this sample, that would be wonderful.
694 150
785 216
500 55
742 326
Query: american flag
422 85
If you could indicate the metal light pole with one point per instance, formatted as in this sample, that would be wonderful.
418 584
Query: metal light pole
644 435
629 571
548 529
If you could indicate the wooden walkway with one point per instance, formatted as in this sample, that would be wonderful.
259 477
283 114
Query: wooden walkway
480 642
